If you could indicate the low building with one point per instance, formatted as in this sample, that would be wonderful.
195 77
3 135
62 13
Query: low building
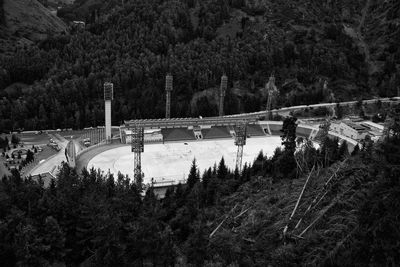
373 126
374 130
350 129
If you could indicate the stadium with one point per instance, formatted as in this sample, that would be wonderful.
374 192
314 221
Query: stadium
159 152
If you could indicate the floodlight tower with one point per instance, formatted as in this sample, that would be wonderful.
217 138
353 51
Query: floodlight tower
108 97
168 89
240 141
137 149
272 92
222 90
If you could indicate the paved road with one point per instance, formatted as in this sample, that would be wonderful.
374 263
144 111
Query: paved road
51 164
287 110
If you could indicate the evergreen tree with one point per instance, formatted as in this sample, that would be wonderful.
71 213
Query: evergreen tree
356 150
29 156
193 177
14 139
343 150
3 144
222 170
287 163
196 246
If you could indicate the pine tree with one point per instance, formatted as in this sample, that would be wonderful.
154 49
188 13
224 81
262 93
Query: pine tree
222 169
343 150
287 162
193 177
29 156
196 246
356 150
14 139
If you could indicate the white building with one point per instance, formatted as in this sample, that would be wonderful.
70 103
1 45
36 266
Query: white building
350 129
375 130
373 126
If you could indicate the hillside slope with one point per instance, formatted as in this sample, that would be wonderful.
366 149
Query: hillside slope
30 19
351 45
24 22
346 217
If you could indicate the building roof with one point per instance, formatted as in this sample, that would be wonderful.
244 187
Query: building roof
373 124
355 126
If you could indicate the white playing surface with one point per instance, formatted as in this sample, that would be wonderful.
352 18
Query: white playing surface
170 162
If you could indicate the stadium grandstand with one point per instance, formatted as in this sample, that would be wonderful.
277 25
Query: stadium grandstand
254 130
216 132
177 134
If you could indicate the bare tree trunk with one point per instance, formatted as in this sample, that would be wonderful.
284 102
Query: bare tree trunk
297 203
219 225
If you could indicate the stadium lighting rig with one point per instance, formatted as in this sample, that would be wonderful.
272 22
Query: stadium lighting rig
137 149
240 141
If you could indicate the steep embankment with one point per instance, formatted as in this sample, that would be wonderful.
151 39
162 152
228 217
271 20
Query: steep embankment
345 211
355 39
30 19
1 13
23 22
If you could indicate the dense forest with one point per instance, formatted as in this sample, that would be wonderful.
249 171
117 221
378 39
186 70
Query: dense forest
2 20
219 218
1 12
58 82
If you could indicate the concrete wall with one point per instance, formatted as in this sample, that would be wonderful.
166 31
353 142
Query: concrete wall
71 154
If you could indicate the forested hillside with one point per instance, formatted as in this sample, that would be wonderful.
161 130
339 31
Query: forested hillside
30 20
1 13
347 212
349 44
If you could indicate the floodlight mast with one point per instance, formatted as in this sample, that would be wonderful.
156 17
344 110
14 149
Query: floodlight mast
222 91
108 97
240 141
137 149
168 89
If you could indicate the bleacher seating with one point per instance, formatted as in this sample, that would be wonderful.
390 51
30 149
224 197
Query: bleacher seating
216 132
304 132
275 129
177 134
255 130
